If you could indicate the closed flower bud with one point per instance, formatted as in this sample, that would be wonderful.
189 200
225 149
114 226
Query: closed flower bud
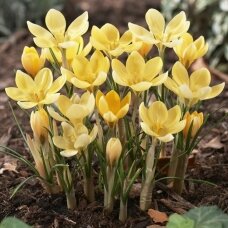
196 119
31 60
113 150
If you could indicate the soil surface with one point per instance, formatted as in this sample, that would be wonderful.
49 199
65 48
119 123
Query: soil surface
39 209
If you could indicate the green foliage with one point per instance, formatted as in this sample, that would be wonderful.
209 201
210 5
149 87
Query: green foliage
12 222
209 18
15 13
201 217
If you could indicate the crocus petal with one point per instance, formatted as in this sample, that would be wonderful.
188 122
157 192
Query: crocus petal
159 79
143 113
24 82
177 127
171 85
103 105
93 133
101 77
43 79
63 104
109 117
180 74
113 100
82 141
55 115
216 90
118 79
147 130
158 113
174 115
26 105
68 74
68 153
166 138
111 32
44 43
80 84
123 111
60 142
57 84
50 98
15 94
141 86
77 111
185 91
152 68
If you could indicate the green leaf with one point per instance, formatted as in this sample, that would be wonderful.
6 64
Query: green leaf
179 221
208 217
12 222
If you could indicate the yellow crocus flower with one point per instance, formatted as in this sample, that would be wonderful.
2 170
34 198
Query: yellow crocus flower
38 91
159 33
74 109
196 120
193 88
189 50
137 74
57 35
111 107
31 61
159 122
88 73
75 139
113 150
108 39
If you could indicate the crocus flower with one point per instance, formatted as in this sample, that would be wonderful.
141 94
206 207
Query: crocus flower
57 35
189 50
31 60
137 74
159 122
88 73
111 107
108 39
38 91
194 88
73 110
159 33
196 120
75 139
113 150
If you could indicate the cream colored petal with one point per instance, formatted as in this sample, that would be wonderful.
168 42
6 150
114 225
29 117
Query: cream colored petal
69 153
185 91
66 45
81 66
60 142
98 38
68 130
79 26
156 22
166 138
44 43
77 111
55 22
101 78
216 90
57 84
158 113
88 100
174 115
50 98
24 82
93 133
126 38
172 43
180 74
63 104
68 74
152 68
123 111
147 130
111 32
142 34
43 80
103 105
109 117
117 51
143 113
118 79
120 75
159 79
171 85
80 84
177 127
141 86
16 94
82 141
99 94
199 79
27 105
55 115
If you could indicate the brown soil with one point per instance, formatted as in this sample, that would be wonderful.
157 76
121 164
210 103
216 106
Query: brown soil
39 209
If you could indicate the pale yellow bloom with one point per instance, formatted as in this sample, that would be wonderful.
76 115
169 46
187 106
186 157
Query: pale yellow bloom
108 39
159 33
75 139
159 122
194 88
196 120
39 122
74 109
137 74
31 61
113 150
88 73
38 91
189 50
57 35
111 107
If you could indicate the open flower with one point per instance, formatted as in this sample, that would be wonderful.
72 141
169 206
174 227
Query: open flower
194 88
108 39
159 122
75 139
31 60
74 109
88 73
196 120
40 91
137 74
113 150
159 33
188 50
57 35
111 107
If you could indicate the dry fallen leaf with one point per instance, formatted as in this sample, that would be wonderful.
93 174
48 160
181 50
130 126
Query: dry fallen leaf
155 226
158 216
214 143
8 167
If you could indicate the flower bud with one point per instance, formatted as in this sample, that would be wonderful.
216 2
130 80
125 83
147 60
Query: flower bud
39 123
113 150
31 60
196 119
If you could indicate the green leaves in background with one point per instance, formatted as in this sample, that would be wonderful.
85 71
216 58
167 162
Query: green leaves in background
12 222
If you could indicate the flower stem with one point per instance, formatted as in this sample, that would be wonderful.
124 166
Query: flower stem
71 200
123 211
89 189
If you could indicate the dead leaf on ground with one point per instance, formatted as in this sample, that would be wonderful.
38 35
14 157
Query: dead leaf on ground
214 143
155 226
8 167
158 216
